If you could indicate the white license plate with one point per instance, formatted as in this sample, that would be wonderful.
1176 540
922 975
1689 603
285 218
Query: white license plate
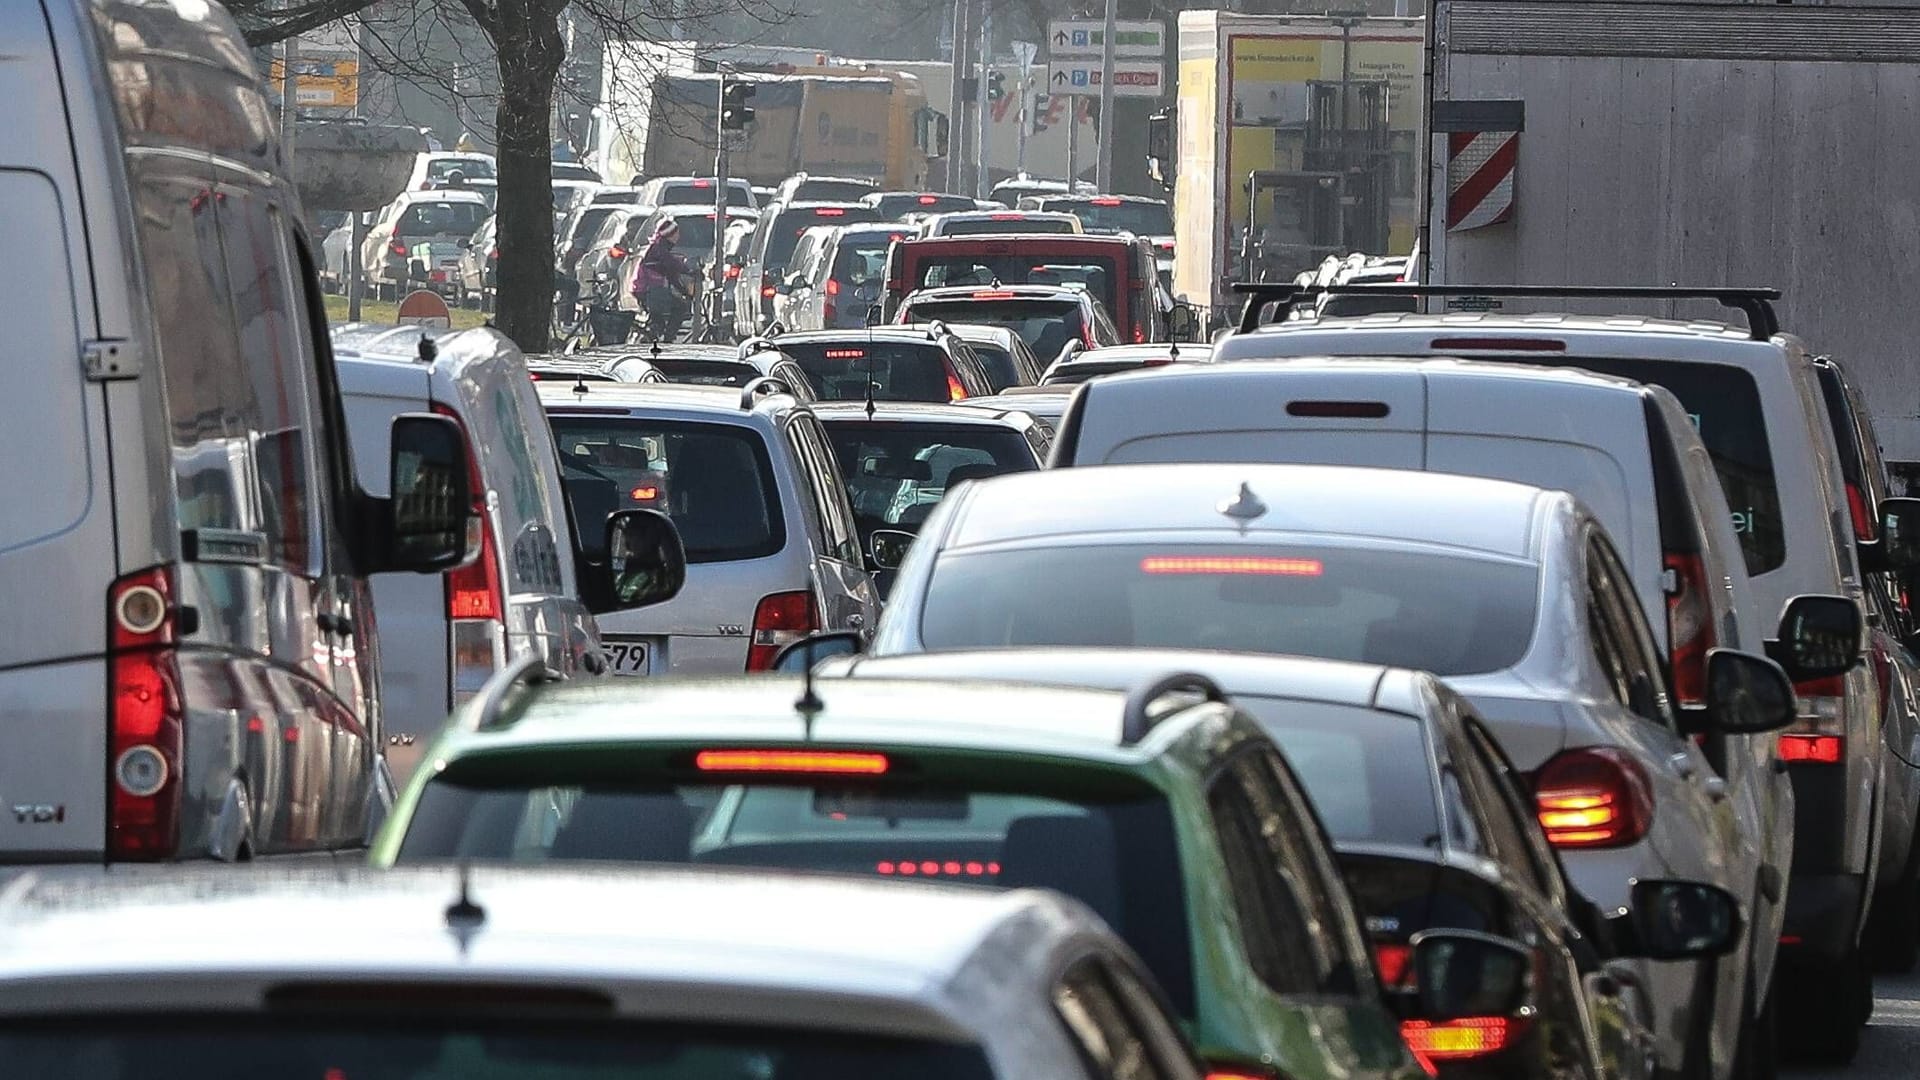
627 656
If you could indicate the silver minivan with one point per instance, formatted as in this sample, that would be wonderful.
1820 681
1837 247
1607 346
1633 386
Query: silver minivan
749 477
445 637
186 640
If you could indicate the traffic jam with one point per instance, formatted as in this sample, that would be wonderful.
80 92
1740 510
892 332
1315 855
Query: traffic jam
1279 628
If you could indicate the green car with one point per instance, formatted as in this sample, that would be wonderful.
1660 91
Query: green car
1167 811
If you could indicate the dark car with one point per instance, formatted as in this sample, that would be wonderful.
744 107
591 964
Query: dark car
1049 318
894 363
896 205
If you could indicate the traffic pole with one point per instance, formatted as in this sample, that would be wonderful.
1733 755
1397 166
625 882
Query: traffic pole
719 199
957 101
983 180
1073 140
1103 171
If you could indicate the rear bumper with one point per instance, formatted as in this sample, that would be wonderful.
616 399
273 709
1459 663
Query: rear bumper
1824 916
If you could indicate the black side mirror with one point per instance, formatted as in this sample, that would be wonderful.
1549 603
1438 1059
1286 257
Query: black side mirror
1747 694
463 243
1183 323
1820 636
888 547
798 656
1678 920
432 498
873 315
1899 543
1466 973
646 562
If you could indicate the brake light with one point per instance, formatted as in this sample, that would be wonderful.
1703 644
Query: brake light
493 254
1229 564
398 248
838 762
1008 217
1864 527
1822 711
1342 410
1813 749
955 392
703 183
829 211
473 591
845 354
1105 202
146 735
780 620
1594 797
1496 344
1689 626
1233 1070
1467 1037
616 252
1393 962
733 273
928 200
1139 335
476 603
930 868
644 493
993 294
767 292
833 286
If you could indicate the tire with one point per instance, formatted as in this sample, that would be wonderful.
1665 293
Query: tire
1758 1055
1829 1004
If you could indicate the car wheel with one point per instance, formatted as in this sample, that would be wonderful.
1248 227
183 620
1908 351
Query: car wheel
1829 1004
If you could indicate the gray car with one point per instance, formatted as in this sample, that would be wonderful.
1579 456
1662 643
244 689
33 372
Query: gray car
832 281
749 478
438 971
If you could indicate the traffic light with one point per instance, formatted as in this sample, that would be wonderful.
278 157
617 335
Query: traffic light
996 86
735 113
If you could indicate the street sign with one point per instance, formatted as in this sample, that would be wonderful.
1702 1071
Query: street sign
1131 78
424 307
1087 37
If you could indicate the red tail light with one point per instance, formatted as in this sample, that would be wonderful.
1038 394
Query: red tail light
398 248
955 392
1689 627
992 294
767 292
616 252
476 603
1393 961
1139 336
146 738
1105 202
1467 1037
833 286
1864 526
1233 1070
493 255
733 273
1816 749
1819 731
1594 797
928 200
830 211
778 621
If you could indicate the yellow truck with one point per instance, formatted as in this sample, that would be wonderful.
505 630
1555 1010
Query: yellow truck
1295 137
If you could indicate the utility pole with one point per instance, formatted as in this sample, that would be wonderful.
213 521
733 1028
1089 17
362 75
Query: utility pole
1103 171
1023 54
982 179
289 94
957 103
719 199
1073 141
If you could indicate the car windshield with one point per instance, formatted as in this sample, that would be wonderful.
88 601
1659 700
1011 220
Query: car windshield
706 372
1096 273
715 481
787 225
1118 215
896 472
1045 325
324 1033
899 370
1003 225
475 168
440 219
1367 771
1106 839
1445 613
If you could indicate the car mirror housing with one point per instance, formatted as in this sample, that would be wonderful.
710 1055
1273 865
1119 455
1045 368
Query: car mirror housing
1819 637
1899 541
888 547
646 561
798 657
1678 920
1461 973
1747 694
430 500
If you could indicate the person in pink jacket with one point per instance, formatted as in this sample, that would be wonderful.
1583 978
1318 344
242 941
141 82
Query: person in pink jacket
663 283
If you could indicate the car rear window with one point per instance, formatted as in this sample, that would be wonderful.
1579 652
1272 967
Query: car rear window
896 473
694 191
706 372
1448 614
783 232
715 481
899 370
696 235
830 190
335 1031
441 219
1117 216
1095 273
895 207
1724 403
1106 839
1002 370
1366 771
472 168
1045 325
1007 226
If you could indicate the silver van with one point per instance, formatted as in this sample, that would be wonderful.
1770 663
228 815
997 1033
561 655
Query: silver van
446 636
187 650
749 477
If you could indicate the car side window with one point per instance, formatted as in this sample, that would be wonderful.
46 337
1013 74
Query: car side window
1300 850
822 474
1503 824
1622 642
1511 791
1114 1045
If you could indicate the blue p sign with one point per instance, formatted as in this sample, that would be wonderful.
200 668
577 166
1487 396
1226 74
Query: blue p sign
1080 77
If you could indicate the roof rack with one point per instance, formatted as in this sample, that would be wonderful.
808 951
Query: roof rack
1757 304
1139 717
484 710
765 384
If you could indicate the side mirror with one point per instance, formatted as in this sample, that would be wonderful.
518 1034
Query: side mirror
797 657
1183 323
1899 541
646 562
783 288
463 243
873 315
889 548
431 500
1820 636
736 261
1747 694
1678 920
1466 973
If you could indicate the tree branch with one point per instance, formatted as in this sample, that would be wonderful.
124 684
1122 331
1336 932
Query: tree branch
263 24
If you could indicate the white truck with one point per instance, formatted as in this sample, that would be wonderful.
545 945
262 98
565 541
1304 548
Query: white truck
1652 143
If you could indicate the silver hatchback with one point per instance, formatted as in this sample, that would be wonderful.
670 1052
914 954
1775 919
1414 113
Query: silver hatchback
749 477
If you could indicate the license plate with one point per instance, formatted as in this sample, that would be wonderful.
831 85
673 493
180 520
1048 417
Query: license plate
628 656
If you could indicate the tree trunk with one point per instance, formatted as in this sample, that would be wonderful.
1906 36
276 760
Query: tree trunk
531 50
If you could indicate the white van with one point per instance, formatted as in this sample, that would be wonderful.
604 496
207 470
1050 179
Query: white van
186 632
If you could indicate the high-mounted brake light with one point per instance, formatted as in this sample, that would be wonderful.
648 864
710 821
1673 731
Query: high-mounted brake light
1466 1037
644 492
1108 201
929 200
146 734
1008 217
1344 410
837 762
1496 344
993 294
932 868
845 354
1690 633
829 211
1593 797
1230 564
1814 749
703 183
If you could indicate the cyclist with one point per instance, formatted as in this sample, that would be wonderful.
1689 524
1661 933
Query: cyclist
664 282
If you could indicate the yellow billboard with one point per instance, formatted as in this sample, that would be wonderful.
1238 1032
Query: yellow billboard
320 82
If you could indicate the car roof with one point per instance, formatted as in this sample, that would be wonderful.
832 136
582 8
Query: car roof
442 195
930 243
378 340
1069 724
918 411
1493 518
856 335
710 934
718 402
1613 335
1360 367
978 332
1151 350
1019 292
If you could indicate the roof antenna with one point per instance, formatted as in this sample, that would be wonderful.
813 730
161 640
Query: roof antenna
580 382
1173 350
464 917
809 705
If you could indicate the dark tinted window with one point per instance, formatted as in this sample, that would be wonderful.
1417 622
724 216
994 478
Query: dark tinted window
714 481
471 168
899 370
895 207
441 219
365 1045
830 191
783 232
696 235
1117 215
1725 406
1012 225
1002 371
1367 772
1270 916
1451 615
896 473
1105 840
1107 1032
706 372
862 257
1096 273
1045 325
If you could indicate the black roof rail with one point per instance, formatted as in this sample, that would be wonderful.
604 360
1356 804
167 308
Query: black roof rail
765 384
1755 303
487 705
1139 718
